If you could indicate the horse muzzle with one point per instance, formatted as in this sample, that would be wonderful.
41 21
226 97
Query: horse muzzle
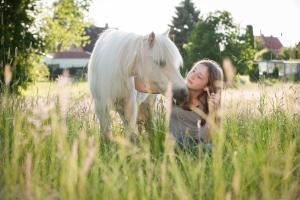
181 95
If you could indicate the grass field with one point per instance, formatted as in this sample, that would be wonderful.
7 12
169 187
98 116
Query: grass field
50 149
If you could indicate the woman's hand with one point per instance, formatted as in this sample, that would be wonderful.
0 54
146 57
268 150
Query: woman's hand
214 100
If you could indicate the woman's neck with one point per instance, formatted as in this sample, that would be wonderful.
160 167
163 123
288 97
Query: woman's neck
194 100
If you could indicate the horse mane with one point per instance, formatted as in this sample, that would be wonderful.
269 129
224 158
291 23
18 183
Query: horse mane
113 58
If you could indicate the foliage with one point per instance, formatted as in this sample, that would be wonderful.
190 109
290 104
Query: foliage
245 62
289 53
65 27
275 73
265 54
258 44
254 73
20 42
183 23
39 70
217 37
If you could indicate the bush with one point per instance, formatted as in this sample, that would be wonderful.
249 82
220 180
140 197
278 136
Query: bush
254 73
275 73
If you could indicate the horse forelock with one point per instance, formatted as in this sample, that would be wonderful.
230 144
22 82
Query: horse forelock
165 49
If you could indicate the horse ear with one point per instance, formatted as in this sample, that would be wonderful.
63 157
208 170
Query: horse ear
151 39
166 33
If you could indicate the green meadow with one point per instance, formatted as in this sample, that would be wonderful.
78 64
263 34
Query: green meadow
50 149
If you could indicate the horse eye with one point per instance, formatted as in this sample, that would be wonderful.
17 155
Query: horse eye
161 63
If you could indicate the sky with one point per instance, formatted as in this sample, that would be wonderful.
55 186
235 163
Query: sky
280 18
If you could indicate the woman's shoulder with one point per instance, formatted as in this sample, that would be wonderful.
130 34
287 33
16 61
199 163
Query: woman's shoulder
186 114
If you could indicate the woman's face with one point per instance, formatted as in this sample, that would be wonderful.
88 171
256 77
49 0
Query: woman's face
197 78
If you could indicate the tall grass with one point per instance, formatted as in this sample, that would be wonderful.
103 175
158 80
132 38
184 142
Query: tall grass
50 149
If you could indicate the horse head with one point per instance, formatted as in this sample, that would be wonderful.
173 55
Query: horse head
158 65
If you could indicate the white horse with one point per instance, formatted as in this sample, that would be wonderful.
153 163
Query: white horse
117 59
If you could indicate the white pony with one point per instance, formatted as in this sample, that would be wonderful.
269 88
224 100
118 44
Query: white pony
117 59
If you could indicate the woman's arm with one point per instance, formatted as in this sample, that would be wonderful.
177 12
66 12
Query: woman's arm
213 123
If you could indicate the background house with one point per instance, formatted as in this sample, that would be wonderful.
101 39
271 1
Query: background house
285 68
75 59
271 43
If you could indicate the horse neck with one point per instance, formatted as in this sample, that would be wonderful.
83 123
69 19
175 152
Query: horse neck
134 68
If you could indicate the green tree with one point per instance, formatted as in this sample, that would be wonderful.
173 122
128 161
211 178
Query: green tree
66 25
210 38
249 37
258 44
20 41
246 44
217 37
289 53
265 54
183 23
202 43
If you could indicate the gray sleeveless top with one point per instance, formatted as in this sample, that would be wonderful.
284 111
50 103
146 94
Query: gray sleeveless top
185 124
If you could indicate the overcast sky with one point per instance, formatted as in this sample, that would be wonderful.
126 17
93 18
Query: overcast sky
279 18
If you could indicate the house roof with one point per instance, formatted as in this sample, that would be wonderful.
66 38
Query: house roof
298 45
270 42
72 53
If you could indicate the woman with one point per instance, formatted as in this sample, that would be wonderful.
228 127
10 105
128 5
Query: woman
192 122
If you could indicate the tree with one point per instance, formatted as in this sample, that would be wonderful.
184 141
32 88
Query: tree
258 44
289 53
265 54
249 37
20 40
66 25
210 38
217 37
246 44
202 43
183 23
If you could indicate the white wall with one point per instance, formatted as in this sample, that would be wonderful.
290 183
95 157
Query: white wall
262 67
67 62
285 67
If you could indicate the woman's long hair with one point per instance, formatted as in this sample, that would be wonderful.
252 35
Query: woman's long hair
214 85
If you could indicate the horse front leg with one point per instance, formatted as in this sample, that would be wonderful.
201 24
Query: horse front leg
127 109
130 115
145 112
